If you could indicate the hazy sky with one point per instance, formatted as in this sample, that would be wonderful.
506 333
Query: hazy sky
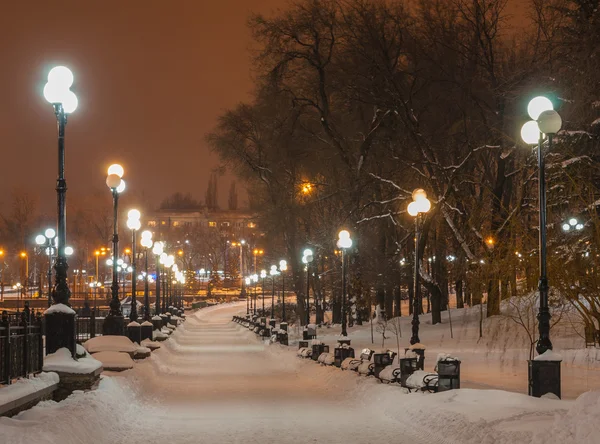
151 77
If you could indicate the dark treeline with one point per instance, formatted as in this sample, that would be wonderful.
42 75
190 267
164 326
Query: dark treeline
364 101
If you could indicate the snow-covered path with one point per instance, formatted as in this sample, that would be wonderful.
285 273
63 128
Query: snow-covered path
215 382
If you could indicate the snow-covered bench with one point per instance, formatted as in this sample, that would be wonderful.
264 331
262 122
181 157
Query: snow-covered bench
326 358
354 363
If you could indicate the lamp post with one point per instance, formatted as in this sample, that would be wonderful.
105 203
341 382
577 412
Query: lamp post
273 272
263 275
546 122
257 252
254 278
60 324
158 251
248 300
283 269
307 258
134 224
146 242
113 324
344 242
420 205
47 241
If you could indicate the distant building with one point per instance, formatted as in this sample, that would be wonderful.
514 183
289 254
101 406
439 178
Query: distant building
234 224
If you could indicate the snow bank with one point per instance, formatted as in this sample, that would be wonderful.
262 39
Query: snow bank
110 343
387 373
150 344
59 308
579 425
112 360
147 324
24 387
62 361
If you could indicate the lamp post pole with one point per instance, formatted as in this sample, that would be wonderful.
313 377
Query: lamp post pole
544 342
273 299
133 315
282 295
344 331
157 303
417 286
146 290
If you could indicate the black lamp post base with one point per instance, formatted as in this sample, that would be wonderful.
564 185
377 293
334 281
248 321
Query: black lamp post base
62 328
544 377
113 325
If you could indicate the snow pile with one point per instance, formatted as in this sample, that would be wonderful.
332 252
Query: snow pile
25 386
150 344
112 360
549 355
350 364
147 324
365 367
157 334
417 346
133 324
326 358
62 361
59 308
156 318
110 343
578 425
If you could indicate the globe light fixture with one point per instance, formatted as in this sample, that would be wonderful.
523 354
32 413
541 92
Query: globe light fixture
343 243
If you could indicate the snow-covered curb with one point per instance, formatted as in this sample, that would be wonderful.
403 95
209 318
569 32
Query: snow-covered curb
24 387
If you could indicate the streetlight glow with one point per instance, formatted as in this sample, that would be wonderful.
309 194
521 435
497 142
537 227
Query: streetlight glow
538 105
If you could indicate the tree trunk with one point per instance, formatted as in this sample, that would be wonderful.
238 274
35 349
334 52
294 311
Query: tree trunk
397 301
459 294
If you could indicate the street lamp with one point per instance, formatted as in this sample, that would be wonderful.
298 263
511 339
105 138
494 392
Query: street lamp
113 324
255 280
47 241
307 258
60 324
158 251
572 224
146 242
420 205
134 224
273 272
263 275
248 307
283 268
94 286
546 122
344 242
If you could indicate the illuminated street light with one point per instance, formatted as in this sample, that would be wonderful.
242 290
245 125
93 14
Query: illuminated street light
134 224
283 268
60 324
47 242
344 242
307 258
113 323
420 205
548 123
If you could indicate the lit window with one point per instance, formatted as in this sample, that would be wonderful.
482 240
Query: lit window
151 223
163 222
176 223
251 225
224 224
212 224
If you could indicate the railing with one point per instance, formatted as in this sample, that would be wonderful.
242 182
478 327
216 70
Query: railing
21 347
88 327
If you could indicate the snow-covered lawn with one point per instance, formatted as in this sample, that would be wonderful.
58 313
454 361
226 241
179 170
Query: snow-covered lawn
215 382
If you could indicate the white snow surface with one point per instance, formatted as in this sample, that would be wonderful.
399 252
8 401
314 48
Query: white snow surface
62 361
110 343
26 386
216 382
59 308
114 360
549 355
147 324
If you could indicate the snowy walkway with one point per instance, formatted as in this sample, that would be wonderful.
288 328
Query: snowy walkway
214 382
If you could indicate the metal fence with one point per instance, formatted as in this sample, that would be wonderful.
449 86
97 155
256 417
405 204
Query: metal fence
21 346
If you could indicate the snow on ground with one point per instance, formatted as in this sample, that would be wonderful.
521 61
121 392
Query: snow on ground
26 386
215 382
112 360
497 360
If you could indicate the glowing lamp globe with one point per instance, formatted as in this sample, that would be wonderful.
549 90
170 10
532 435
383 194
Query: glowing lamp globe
50 233
549 122
263 273
69 251
419 194
308 252
134 224
40 239
116 169
283 265
538 105
158 248
61 76
113 181
146 242
134 214
530 133
121 187
413 209
344 234
248 281
423 205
